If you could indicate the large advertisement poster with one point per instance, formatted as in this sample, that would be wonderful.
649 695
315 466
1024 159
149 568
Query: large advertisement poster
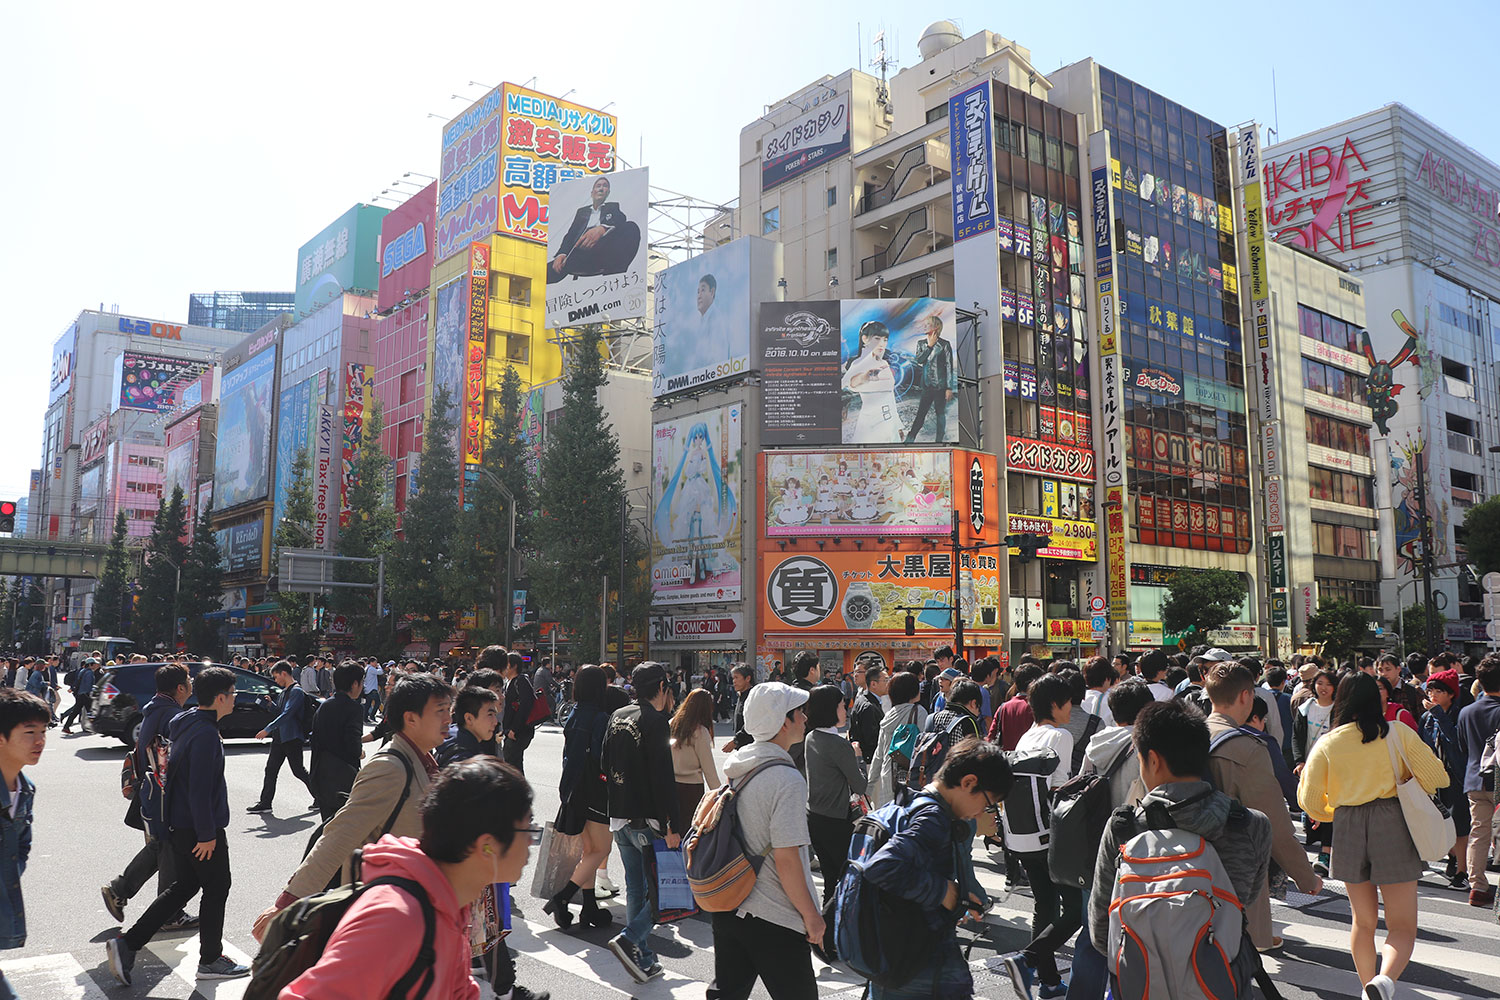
894 379
325 463
596 250
501 158
806 142
805 594
406 238
697 524
450 328
858 492
151 383
240 546
477 325
294 430
180 470
243 457
704 310
62 365
341 258
358 395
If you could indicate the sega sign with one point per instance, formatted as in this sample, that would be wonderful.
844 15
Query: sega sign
404 249
145 328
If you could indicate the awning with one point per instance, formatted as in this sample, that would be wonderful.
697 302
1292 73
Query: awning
263 609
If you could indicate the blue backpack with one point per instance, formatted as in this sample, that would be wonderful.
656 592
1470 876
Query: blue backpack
882 937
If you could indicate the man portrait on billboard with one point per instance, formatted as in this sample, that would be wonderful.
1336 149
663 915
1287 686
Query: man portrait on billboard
601 239
936 378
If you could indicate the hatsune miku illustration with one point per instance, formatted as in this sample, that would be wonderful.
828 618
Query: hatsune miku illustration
698 511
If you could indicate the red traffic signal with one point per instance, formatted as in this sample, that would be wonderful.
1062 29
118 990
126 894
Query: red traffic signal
7 516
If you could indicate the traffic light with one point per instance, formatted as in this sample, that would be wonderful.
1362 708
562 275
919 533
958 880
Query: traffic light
7 517
911 625
1025 547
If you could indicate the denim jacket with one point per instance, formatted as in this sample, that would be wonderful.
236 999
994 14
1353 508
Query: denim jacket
15 848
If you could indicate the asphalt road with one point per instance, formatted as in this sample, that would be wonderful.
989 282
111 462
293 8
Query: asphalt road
81 842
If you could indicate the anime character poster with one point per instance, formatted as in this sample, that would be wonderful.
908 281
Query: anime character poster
858 492
449 336
900 371
695 541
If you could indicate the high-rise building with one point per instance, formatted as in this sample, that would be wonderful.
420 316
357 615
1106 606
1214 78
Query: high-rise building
243 312
1410 210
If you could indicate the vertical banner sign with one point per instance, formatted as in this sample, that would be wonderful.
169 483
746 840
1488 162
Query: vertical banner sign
1264 376
1276 561
325 499
479 319
1270 436
358 389
1112 379
1275 521
969 123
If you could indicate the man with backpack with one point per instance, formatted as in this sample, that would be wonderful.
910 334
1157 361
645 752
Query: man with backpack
643 807
923 868
406 931
957 721
82 684
148 760
1172 744
1013 717
197 812
293 718
1240 768
387 793
768 936
516 721
1478 736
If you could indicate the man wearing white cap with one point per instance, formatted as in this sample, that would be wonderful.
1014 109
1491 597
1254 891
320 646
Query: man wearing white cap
767 937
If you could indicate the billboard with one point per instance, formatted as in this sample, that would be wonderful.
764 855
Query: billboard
95 438
695 544
596 253
704 310
406 241
502 156
805 594
342 257
294 434
969 123
62 365
859 371
179 471
151 383
240 546
243 456
359 392
449 334
324 483
1070 539
476 324
858 492
806 142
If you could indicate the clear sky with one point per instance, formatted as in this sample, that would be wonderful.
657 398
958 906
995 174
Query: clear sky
153 150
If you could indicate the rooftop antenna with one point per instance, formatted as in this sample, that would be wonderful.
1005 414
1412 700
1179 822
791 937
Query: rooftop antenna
1275 106
882 61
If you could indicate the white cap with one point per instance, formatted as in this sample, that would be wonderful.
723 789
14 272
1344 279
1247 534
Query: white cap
766 707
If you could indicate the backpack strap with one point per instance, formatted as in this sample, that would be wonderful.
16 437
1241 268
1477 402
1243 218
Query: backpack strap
1120 760
1224 737
422 968
745 778
405 789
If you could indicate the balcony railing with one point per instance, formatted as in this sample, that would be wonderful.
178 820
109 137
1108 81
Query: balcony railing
892 189
917 222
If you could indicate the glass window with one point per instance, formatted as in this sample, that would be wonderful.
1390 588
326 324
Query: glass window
833 196
770 220
831 258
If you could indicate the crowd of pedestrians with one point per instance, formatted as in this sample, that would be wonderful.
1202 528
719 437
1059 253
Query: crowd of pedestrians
878 784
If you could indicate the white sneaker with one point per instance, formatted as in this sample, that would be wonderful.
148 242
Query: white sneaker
604 888
1380 988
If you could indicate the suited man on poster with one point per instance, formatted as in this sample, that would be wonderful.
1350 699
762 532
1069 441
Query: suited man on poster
600 240
938 380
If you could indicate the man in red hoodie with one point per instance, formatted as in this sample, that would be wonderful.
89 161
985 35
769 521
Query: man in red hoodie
476 830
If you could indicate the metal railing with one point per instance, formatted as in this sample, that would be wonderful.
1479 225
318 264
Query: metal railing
891 189
1459 441
915 222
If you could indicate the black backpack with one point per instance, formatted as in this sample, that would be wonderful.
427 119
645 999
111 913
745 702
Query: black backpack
1080 811
932 749
297 936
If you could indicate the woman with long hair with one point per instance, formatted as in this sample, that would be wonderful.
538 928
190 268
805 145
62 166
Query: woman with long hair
692 754
1351 776
1310 720
585 799
1391 706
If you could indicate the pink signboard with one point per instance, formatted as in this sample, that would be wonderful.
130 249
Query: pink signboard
406 241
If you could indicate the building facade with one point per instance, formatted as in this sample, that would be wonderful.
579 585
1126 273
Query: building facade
242 312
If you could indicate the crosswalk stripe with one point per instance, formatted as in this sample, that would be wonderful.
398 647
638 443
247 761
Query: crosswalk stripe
55 977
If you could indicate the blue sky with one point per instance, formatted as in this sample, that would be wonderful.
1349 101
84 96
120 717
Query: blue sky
193 148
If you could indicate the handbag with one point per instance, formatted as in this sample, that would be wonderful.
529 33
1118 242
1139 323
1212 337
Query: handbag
673 895
1428 822
556 858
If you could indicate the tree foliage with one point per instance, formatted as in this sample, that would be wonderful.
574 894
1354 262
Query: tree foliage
1482 533
1202 599
165 553
577 522
1339 625
427 568
369 534
202 589
110 595
1414 629
488 516
295 532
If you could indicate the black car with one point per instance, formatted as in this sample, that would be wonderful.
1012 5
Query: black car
121 695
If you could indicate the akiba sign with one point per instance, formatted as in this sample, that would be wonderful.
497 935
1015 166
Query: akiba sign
1315 198
1455 186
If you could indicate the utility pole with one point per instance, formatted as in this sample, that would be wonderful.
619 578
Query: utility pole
1425 526
958 615
620 585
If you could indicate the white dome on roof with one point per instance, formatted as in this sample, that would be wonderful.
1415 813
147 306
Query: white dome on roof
939 35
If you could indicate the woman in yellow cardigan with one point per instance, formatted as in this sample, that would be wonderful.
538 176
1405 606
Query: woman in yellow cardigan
1349 777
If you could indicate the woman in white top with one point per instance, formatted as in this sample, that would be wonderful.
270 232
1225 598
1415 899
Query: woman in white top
905 692
870 375
1310 721
693 753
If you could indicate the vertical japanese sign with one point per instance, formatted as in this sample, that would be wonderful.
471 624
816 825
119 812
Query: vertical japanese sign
970 123
479 319
545 140
325 496
1264 376
468 204
1112 378
358 394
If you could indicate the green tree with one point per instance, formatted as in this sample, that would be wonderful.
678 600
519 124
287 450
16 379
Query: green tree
1199 600
165 553
1414 629
202 589
426 570
575 535
110 595
295 532
1482 533
1339 625
488 516
369 534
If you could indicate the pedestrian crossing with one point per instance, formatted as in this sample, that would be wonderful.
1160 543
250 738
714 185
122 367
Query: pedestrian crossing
165 968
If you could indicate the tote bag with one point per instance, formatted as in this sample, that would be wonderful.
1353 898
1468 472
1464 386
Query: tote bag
1430 825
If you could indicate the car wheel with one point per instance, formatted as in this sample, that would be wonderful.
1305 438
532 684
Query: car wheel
133 731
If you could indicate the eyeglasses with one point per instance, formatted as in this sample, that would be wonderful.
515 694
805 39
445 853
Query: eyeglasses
990 804
534 833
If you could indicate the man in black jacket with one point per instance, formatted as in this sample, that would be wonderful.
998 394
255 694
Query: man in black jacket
286 734
937 378
600 240
864 720
743 679
514 722
643 797
338 727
